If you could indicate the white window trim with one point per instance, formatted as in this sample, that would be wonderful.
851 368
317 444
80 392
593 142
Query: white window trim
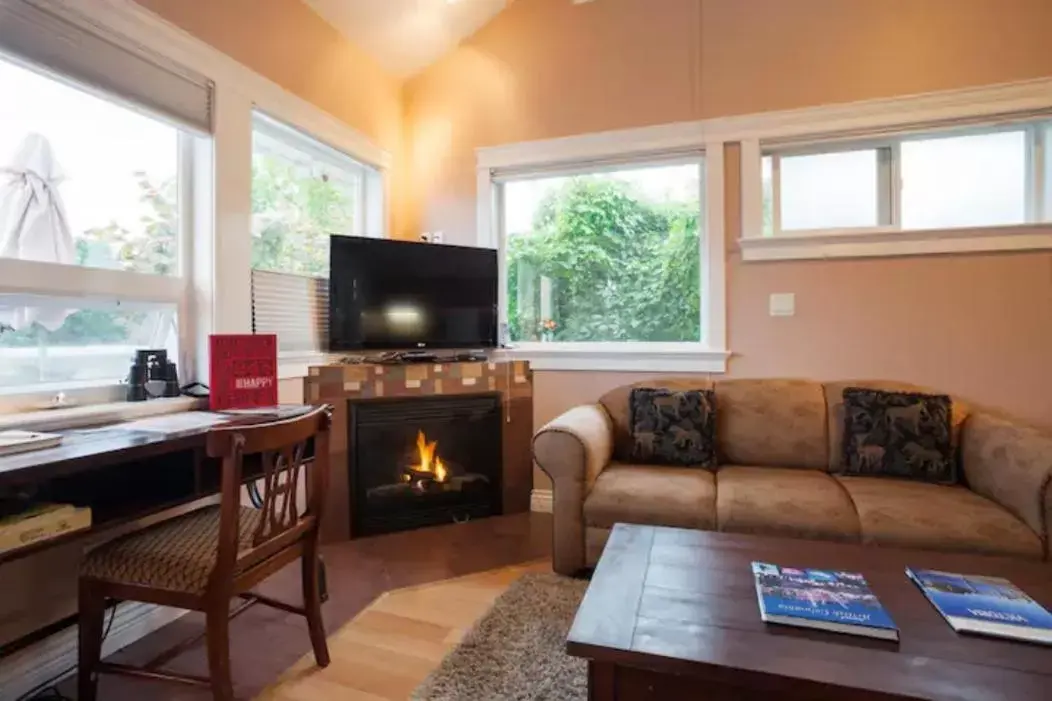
878 120
707 357
219 297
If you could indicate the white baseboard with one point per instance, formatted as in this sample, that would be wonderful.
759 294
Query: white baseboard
540 501
56 656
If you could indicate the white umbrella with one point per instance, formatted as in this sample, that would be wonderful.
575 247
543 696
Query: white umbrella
33 224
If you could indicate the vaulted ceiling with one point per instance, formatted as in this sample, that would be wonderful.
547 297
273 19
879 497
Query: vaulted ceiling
405 36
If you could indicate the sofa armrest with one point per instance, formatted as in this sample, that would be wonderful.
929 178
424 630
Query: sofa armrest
1011 464
573 449
576 445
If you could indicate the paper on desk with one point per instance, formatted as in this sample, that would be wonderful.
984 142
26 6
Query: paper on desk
173 425
279 411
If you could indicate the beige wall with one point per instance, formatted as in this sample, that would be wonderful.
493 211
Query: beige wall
977 325
288 43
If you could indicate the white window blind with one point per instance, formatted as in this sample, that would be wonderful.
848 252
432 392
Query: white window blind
295 307
53 38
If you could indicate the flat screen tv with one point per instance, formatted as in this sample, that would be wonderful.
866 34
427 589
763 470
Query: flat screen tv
398 295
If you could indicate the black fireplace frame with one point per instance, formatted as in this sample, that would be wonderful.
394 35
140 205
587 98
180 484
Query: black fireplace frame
362 528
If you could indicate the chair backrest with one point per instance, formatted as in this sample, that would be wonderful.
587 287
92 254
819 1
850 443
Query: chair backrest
281 447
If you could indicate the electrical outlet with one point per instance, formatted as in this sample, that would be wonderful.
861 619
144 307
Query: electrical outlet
436 237
783 304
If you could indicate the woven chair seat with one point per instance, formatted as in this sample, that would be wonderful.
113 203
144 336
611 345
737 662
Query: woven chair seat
175 555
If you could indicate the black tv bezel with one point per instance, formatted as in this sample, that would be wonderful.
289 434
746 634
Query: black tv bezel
333 347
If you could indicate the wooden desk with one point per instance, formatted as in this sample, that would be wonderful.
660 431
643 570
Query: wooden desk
123 475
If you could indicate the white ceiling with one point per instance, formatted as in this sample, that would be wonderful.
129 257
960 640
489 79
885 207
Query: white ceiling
405 36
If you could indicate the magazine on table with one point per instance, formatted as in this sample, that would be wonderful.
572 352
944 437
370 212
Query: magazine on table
984 605
832 600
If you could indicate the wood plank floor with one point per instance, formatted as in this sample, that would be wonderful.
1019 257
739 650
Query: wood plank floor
265 642
391 646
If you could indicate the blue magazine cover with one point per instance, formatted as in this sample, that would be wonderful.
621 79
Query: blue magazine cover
984 605
826 599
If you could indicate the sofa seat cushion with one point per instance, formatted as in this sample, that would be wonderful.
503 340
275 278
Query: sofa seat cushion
911 514
653 496
780 501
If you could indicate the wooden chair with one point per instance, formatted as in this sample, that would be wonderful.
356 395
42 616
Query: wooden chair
208 557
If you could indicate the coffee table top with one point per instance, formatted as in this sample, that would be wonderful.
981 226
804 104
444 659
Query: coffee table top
684 602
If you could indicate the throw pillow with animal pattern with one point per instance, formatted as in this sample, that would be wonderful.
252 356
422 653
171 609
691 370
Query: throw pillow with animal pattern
898 434
673 428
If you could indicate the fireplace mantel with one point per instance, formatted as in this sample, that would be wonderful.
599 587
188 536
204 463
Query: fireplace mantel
339 384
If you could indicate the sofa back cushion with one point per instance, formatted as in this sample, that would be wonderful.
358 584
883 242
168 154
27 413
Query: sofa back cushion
898 434
835 404
616 403
771 423
673 428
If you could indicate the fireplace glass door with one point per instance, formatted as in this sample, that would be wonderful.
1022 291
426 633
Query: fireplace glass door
423 461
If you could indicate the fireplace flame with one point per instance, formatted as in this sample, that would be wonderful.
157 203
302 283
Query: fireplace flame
429 460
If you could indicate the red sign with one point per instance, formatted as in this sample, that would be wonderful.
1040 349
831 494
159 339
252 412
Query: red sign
243 373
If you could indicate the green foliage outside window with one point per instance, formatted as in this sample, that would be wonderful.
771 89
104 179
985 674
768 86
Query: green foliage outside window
293 215
616 267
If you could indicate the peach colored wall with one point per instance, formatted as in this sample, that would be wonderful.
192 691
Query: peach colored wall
975 325
291 45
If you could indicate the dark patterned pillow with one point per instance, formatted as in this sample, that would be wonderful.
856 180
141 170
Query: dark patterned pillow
898 434
673 428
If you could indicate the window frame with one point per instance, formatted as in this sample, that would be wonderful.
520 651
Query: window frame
983 108
661 145
297 140
106 285
888 193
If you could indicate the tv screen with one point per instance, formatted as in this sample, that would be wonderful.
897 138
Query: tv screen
396 295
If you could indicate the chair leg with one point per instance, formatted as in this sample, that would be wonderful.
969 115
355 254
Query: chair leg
92 609
312 603
218 640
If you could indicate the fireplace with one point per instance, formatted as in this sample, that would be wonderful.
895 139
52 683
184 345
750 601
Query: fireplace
423 461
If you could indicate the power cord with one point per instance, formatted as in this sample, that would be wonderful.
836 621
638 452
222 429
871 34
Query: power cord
48 691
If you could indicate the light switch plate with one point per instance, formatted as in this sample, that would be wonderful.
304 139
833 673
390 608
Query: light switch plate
783 304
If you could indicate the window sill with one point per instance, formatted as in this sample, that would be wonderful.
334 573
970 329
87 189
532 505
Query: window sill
96 414
851 244
620 357
293 366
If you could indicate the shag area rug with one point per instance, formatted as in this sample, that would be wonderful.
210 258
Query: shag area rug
516 651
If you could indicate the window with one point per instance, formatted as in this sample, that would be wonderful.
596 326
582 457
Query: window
112 172
303 192
827 190
92 201
604 254
942 180
972 180
66 343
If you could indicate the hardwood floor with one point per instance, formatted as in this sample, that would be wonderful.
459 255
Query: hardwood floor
391 646
265 642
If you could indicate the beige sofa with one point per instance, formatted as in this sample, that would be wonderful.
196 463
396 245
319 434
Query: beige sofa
779 452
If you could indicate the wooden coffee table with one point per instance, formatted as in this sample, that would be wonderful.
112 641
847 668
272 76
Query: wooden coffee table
672 614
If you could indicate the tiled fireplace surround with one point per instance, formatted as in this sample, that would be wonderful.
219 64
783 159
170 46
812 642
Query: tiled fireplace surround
343 385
